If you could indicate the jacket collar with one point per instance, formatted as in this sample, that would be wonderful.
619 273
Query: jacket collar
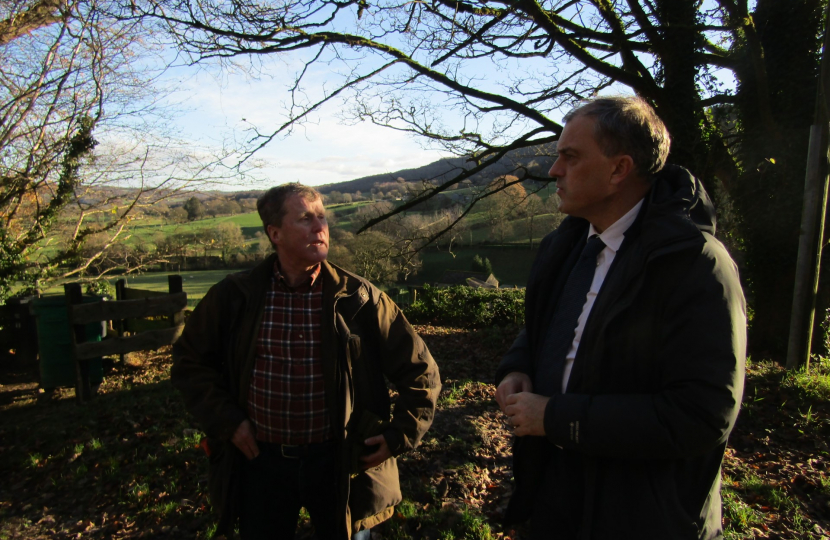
340 284
337 283
253 282
677 208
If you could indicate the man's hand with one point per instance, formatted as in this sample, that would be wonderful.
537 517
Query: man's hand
381 455
513 383
243 438
526 413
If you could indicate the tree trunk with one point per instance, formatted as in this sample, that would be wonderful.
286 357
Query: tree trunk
770 189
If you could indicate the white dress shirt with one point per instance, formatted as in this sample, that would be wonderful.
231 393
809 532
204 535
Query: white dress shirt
613 238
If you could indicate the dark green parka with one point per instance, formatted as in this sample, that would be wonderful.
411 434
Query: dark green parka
366 341
639 435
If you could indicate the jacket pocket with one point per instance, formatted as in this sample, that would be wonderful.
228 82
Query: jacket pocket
362 426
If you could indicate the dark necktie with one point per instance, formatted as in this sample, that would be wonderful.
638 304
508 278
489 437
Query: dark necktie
551 362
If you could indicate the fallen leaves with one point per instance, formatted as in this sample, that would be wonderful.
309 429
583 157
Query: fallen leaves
130 465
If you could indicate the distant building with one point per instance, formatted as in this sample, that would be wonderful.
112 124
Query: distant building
470 279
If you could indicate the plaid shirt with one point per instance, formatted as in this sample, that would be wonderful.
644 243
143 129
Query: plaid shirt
287 398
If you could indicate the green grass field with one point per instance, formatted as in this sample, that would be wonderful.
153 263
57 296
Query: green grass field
511 265
146 230
195 284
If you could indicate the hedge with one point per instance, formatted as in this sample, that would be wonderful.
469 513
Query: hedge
466 307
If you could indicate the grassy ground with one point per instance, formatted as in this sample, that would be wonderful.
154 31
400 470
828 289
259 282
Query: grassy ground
195 284
128 464
776 481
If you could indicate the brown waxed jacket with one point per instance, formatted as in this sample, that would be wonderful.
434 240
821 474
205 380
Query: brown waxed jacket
366 341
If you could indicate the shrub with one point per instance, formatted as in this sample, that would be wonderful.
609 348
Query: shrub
481 265
462 306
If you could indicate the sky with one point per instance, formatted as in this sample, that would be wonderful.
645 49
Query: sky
322 151
214 106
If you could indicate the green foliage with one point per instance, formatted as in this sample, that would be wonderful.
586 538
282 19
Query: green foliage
100 287
739 517
469 527
462 306
744 499
16 250
194 208
450 395
448 524
812 381
481 265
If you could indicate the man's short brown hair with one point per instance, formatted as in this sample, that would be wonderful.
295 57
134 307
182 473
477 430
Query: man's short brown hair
271 205
629 126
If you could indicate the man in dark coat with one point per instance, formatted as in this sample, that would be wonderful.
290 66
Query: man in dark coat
285 368
627 379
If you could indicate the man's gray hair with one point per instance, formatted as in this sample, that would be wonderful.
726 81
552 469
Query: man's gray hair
629 126
271 205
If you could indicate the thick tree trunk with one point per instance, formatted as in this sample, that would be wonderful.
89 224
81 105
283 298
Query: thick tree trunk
770 190
679 105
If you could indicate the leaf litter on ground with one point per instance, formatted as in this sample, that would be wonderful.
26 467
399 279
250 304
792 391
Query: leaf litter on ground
128 464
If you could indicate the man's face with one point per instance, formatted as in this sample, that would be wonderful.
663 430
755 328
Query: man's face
583 172
303 238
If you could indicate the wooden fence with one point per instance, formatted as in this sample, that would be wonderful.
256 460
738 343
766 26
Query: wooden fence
152 319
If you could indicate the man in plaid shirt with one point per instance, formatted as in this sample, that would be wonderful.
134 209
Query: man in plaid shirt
286 367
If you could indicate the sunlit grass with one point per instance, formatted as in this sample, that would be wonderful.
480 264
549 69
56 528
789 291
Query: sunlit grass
813 381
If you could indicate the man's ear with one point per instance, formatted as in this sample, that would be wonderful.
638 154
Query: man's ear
273 233
623 168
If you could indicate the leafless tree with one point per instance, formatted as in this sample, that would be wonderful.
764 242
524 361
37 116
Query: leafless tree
418 67
83 142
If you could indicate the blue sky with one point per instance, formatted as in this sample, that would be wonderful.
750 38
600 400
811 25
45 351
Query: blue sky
215 106
323 150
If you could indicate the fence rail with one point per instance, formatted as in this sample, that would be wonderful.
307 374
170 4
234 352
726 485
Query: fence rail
166 305
129 312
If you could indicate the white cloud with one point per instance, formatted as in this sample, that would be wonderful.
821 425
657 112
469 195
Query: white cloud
319 151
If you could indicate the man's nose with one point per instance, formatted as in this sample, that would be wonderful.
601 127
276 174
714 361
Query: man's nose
554 171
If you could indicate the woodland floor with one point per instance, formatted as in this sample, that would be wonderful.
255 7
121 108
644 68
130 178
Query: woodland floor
128 464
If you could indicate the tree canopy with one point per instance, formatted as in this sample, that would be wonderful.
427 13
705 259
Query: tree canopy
84 143
483 77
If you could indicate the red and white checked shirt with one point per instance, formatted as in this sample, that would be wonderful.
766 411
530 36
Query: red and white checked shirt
287 398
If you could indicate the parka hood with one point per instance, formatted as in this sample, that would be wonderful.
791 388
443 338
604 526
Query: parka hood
675 191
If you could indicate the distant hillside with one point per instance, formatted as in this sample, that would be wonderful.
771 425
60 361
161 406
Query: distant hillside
537 160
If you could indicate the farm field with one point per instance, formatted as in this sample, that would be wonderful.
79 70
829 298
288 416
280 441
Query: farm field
148 229
511 265
195 284
511 258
